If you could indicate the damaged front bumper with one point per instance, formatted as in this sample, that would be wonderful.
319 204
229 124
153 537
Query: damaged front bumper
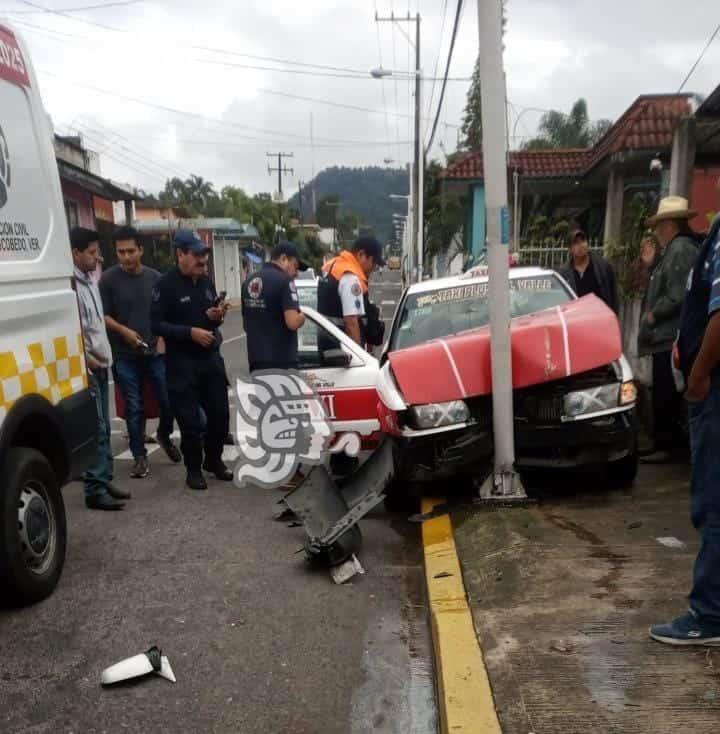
467 451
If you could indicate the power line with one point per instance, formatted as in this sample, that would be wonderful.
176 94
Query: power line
340 105
196 115
149 167
382 85
147 157
67 14
437 60
447 71
699 58
101 6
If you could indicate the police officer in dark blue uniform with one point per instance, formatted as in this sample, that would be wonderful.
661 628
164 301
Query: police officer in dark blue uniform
271 311
187 313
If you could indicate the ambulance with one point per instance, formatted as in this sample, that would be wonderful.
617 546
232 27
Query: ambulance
48 419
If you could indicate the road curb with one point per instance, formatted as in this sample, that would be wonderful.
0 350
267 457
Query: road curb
465 698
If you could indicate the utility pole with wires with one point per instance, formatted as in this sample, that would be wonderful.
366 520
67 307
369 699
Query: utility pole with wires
504 483
281 171
417 189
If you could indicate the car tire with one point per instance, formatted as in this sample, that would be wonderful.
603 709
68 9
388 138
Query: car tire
401 496
623 472
33 528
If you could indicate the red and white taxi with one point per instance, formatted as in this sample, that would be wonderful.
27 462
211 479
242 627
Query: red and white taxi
574 396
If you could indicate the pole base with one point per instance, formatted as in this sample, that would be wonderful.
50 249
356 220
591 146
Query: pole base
502 488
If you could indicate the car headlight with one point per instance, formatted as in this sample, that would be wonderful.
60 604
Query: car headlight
593 400
435 415
628 393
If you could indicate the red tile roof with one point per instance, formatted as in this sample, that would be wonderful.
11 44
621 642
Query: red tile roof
648 124
531 163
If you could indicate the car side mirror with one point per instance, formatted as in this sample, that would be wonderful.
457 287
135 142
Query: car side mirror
335 358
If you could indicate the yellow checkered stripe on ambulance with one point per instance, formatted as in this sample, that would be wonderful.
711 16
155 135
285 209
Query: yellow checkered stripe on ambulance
53 368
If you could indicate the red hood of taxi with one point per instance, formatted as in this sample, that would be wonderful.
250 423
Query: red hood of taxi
549 345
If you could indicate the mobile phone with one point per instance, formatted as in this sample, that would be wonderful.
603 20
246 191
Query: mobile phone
220 298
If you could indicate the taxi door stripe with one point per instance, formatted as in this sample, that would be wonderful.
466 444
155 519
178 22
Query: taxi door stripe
454 367
566 341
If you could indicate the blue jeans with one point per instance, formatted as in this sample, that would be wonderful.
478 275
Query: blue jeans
705 504
130 373
100 473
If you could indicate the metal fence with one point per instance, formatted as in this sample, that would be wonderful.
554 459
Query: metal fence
551 255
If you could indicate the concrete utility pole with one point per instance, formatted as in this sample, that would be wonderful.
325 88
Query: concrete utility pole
417 188
281 171
504 484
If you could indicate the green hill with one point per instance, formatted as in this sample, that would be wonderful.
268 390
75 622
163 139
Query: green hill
361 191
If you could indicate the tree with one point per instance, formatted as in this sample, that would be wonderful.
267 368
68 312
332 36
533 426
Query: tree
327 210
471 129
444 212
575 130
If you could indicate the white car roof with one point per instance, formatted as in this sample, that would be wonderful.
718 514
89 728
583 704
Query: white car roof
466 278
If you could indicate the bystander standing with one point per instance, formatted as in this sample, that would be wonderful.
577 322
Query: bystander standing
187 313
126 291
659 322
100 493
588 272
699 359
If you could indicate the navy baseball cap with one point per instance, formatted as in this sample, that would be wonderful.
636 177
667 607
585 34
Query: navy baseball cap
370 246
186 239
289 249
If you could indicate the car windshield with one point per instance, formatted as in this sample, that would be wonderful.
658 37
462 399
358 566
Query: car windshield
453 309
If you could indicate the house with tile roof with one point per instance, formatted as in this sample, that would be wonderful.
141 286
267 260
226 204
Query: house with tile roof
663 143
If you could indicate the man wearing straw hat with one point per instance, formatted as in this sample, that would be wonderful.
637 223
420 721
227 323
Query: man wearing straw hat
660 321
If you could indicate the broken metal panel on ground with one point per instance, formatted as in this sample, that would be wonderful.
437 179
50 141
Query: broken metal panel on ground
330 513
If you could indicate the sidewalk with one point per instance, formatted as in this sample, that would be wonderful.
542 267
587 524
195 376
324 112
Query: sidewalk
563 593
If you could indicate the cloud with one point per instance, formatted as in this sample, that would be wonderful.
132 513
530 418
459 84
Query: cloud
556 52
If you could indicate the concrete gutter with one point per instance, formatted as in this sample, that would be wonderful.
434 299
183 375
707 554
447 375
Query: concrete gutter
465 699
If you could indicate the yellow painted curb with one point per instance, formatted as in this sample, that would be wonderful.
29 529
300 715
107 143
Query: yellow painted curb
465 698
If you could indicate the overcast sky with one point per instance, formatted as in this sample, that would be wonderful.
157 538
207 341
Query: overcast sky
556 51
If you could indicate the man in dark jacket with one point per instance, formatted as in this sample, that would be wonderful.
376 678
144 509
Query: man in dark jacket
699 360
660 321
587 272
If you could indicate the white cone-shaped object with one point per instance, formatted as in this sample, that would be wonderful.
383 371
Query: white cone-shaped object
126 669
152 661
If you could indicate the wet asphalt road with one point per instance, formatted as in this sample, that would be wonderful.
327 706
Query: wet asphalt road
258 640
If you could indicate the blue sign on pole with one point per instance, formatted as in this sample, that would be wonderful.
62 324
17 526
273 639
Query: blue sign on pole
504 226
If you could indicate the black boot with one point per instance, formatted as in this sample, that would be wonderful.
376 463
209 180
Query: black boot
219 470
195 480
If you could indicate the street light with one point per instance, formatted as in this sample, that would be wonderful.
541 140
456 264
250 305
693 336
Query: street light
417 190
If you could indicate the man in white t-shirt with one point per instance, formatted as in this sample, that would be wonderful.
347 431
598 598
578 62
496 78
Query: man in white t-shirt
343 287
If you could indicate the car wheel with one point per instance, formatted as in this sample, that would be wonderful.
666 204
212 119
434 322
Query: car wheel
33 530
624 471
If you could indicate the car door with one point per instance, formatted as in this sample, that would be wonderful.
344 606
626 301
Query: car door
343 374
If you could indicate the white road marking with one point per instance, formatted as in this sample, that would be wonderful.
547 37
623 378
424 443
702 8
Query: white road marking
234 339
127 455
566 341
388 303
454 367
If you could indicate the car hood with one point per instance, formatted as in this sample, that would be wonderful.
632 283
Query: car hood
548 345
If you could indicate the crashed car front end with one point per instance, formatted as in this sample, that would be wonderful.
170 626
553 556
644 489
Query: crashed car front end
573 405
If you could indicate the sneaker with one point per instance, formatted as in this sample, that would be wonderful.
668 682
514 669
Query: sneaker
117 493
141 468
195 480
103 502
686 630
172 451
219 470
